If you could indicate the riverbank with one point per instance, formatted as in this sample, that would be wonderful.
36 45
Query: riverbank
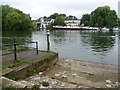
69 73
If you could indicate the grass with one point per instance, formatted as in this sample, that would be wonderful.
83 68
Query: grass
36 86
10 88
48 51
7 48
22 48
17 63
45 68
1 85
12 49
13 77
31 71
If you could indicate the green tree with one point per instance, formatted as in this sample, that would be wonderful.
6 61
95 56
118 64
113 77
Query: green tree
54 15
85 19
111 19
59 21
34 25
63 15
14 19
103 17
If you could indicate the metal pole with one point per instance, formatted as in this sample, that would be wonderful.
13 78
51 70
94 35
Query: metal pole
37 47
15 54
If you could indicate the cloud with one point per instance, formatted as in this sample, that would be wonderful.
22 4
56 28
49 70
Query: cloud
38 8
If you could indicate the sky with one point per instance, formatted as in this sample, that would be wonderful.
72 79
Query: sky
40 8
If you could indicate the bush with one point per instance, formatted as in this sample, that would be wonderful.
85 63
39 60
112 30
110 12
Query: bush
45 84
52 77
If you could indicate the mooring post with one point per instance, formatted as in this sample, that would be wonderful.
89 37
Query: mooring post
15 54
37 47
48 43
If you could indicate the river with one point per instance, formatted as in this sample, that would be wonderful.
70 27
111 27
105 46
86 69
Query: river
94 46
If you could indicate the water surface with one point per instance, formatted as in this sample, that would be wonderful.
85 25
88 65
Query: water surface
92 46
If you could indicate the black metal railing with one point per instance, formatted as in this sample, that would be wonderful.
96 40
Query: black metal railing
15 45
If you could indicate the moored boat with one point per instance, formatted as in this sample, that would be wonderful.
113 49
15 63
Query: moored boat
74 28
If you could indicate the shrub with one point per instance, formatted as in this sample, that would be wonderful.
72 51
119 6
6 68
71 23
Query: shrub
52 77
45 84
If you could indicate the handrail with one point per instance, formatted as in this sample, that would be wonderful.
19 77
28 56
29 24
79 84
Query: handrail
15 45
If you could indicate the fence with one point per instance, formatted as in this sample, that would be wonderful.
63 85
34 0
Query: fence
15 45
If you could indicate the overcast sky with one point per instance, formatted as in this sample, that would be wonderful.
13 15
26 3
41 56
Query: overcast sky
40 8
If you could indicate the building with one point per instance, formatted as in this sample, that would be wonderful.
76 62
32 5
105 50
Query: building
72 21
48 21
42 23
119 9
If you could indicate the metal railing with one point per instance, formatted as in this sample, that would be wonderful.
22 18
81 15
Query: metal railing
15 45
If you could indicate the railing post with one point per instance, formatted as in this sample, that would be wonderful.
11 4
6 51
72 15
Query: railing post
37 47
15 54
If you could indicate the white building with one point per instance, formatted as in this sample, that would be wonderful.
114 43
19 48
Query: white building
42 23
72 21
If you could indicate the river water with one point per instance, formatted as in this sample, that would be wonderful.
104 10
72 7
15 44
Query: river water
94 46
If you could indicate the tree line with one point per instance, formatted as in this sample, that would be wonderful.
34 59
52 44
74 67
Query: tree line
59 19
100 17
14 19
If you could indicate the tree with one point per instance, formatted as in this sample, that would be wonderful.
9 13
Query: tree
111 19
63 15
34 25
14 19
59 21
54 15
85 19
103 17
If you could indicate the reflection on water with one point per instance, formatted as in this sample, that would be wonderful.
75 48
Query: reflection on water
18 36
81 45
86 45
99 41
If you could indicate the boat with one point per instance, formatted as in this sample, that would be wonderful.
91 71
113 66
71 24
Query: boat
105 29
116 29
74 28
108 29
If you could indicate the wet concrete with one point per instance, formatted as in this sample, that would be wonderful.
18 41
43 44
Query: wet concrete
70 73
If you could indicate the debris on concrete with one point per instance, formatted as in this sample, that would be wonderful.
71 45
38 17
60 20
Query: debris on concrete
76 75
108 85
108 81
40 73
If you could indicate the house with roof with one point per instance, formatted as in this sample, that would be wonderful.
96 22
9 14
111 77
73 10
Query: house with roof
72 21
42 23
